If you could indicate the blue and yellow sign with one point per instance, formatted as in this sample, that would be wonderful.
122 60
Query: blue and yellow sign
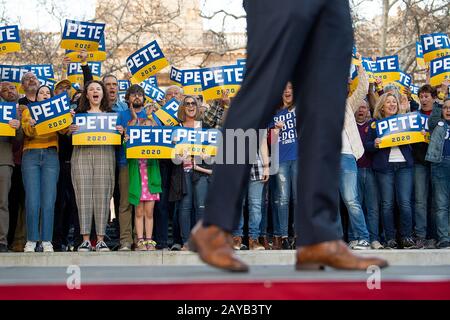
369 66
439 70
415 92
93 56
400 129
190 80
7 113
44 71
75 73
216 81
168 113
123 87
52 114
9 39
12 74
419 56
79 35
96 129
354 79
152 92
146 62
388 68
196 142
405 80
435 45
149 142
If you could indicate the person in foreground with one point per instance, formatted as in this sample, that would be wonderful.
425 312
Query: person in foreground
308 42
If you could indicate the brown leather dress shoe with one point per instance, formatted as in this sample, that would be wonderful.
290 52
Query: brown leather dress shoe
334 254
215 247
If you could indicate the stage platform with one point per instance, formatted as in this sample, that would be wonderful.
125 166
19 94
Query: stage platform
178 258
416 274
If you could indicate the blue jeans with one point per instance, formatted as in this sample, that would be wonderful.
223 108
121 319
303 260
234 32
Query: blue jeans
40 170
440 179
349 192
255 206
285 181
200 193
421 189
185 206
370 200
264 211
398 179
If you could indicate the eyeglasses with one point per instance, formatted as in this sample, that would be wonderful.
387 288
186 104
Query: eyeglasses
193 103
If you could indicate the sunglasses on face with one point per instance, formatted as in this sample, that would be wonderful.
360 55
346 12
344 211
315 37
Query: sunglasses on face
191 103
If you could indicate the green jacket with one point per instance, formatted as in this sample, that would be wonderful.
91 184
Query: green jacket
154 179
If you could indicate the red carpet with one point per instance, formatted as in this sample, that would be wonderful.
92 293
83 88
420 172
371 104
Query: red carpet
390 290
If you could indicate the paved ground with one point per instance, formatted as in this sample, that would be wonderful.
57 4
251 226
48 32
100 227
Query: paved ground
196 274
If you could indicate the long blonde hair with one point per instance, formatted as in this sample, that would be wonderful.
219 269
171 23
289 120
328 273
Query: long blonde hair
378 112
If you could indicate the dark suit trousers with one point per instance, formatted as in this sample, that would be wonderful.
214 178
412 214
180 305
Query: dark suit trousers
308 42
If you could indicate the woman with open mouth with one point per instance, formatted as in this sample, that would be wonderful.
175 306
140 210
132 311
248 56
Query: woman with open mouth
93 172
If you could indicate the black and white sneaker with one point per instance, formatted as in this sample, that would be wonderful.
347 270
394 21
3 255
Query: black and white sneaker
391 244
101 247
85 246
444 245
408 243
362 245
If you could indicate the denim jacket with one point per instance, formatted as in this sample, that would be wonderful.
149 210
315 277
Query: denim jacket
438 127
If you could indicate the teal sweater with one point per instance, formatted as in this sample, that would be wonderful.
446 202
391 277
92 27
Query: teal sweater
154 179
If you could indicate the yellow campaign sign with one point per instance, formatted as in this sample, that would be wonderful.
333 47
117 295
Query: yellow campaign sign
400 130
387 68
96 138
149 152
399 139
216 81
435 45
166 119
8 112
6 130
79 35
51 115
216 92
96 129
9 39
146 62
195 150
91 56
439 70
54 124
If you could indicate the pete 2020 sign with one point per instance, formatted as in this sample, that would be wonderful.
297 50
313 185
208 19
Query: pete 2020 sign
161 142
216 81
435 45
168 113
75 73
79 35
9 39
388 68
52 114
439 70
400 129
146 62
92 56
7 113
96 129
190 80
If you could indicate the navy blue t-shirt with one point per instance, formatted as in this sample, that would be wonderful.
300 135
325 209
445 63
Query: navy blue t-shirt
287 140
122 120
446 151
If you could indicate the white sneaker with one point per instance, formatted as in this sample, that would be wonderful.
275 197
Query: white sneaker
362 245
353 243
47 245
376 245
30 246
